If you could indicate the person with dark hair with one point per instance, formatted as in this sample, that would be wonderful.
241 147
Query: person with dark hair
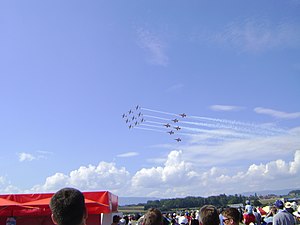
231 216
116 220
282 216
68 207
209 215
257 216
153 217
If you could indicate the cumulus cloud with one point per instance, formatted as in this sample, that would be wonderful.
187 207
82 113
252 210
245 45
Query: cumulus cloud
225 108
23 156
153 46
128 154
277 114
105 176
175 172
230 167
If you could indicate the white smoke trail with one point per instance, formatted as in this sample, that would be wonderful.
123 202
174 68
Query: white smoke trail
144 128
167 113
156 117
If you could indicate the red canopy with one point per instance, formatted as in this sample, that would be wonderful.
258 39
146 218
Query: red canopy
38 204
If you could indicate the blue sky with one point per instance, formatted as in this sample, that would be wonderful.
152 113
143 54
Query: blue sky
69 70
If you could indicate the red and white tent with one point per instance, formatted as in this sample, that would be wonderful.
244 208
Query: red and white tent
34 208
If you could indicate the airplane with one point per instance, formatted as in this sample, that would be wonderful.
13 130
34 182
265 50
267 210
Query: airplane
136 123
177 139
130 126
129 111
175 120
170 132
167 125
142 120
133 118
123 115
137 107
182 115
127 120
177 128
140 114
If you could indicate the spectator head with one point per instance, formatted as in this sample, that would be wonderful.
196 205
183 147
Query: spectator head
279 204
153 217
68 207
209 215
116 219
231 216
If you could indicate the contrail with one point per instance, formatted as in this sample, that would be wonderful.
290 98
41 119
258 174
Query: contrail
149 125
143 128
154 122
167 113
229 124
208 128
156 117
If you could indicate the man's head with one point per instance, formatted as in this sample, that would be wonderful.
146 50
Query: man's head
279 204
153 217
209 215
68 207
231 216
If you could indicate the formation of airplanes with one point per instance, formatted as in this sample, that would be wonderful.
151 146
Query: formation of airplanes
135 117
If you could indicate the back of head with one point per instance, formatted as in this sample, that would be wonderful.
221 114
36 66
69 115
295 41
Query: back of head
209 215
232 213
68 207
279 204
153 217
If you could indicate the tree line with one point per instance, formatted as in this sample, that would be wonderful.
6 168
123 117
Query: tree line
193 202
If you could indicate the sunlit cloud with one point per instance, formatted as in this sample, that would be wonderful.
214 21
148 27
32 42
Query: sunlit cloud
225 108
153 46
23 156
128 154
277 114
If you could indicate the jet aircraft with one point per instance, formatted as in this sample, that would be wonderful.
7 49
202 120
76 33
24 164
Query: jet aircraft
182 115
177 128
137 107
127 120
175 120
130 111
130 126
140 114
167 125
177 139
123 115
170 132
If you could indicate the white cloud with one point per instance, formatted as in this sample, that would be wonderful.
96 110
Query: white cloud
105 176
225 108
23 156
277 114
128 154
230 167
153 46
257 35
